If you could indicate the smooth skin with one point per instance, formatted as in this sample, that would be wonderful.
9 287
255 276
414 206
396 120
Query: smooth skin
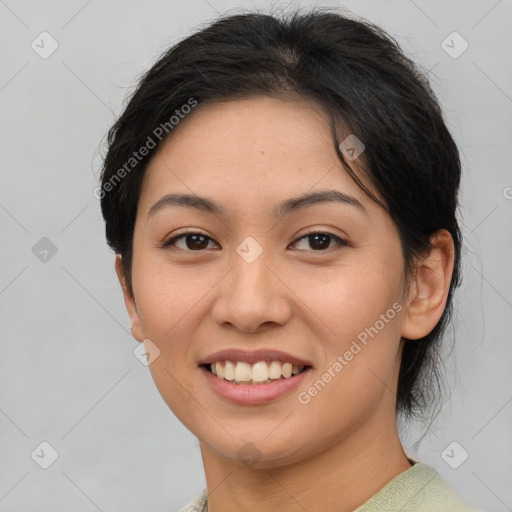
191 300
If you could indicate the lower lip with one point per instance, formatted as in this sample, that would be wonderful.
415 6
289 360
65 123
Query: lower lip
253 394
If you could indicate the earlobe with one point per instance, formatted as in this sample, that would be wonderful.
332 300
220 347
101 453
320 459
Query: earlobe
428 294
129 300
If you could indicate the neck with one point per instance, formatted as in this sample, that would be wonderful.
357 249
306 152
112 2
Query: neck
342 477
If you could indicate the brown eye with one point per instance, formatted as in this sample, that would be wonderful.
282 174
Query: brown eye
320 241
192 241
196 241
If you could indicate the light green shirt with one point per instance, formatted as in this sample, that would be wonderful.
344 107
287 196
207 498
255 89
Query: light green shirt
419 489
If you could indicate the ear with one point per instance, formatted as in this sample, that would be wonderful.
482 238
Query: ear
428 293
129 300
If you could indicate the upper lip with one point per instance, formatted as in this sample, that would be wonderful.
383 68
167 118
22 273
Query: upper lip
253 356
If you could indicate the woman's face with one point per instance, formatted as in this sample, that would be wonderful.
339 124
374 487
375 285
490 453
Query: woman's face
252 280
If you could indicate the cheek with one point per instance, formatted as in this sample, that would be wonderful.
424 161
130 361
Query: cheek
359 371
169 296
171 303
351 298
361 324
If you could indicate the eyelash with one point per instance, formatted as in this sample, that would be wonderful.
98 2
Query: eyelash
340 241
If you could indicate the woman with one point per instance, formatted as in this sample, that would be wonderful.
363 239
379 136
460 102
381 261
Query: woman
281 195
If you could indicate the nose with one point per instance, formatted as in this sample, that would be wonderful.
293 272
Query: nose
252 297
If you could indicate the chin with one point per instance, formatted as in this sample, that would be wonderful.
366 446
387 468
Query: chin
258 452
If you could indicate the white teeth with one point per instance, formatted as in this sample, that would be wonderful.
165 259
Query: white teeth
274 370
287 370
243 372
220 370
229 370
260 372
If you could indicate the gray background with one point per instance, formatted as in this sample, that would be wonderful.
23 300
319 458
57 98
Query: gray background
68 374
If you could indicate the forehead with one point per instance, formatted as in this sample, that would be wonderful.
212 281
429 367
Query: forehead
248 149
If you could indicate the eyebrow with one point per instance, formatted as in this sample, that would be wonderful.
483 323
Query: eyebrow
285 208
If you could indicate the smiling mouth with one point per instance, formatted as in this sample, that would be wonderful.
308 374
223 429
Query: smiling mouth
261 372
